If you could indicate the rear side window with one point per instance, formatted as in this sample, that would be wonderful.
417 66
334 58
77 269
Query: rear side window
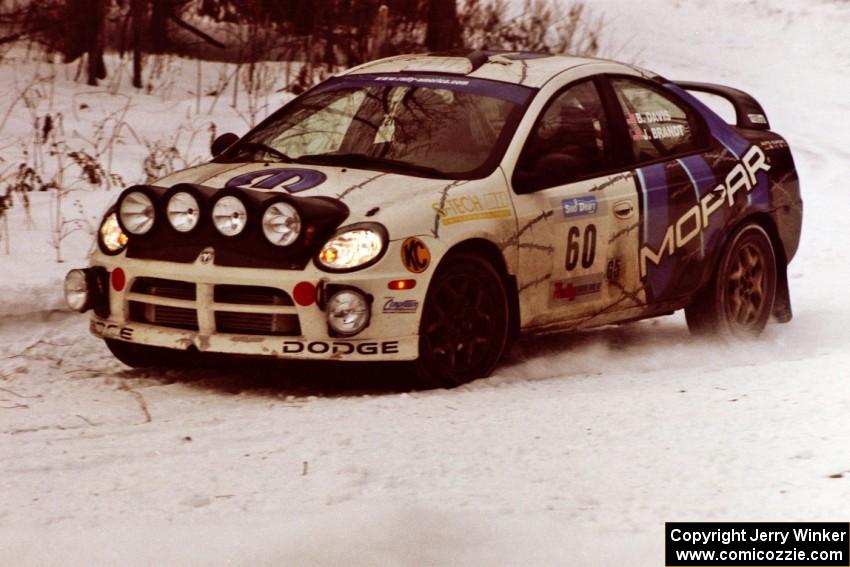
569 141
658 126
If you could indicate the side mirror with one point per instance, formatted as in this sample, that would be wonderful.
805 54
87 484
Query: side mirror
222 143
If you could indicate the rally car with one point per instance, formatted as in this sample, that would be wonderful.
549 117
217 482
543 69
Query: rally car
431 207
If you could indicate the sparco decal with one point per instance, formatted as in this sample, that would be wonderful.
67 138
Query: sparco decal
697 218
291 179
340 347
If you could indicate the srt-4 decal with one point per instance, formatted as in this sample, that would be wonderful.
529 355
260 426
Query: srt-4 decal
291 179
696 219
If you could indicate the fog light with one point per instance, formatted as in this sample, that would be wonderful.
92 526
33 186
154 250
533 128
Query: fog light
229 215
77 291
348 312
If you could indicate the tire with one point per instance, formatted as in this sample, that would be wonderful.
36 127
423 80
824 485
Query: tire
464 324
739 299
144 356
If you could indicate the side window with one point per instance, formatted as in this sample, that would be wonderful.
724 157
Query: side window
570 140
658 127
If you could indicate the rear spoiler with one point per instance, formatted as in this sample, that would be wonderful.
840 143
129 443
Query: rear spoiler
749 113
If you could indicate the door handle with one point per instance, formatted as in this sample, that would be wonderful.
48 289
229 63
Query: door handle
624 210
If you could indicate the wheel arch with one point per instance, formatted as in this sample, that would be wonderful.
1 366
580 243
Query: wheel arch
782 303
490 252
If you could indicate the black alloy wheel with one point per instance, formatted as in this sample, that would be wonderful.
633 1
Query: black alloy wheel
464 325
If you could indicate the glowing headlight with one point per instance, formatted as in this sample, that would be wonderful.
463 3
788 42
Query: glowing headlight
77 290
183 211
351 249
281 224
348 312
229 216
136 212
111 236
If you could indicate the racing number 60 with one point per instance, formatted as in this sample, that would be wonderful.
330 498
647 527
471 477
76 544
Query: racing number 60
586 249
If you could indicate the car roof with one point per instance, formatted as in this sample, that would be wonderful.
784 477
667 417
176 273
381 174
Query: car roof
532 69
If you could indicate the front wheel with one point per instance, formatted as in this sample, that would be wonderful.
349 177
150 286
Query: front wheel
464 325
739 300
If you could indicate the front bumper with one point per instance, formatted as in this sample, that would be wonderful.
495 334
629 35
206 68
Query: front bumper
183 306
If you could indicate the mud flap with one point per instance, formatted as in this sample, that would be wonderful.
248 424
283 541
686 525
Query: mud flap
782 303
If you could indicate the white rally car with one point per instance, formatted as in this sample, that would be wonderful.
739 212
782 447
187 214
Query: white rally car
428 208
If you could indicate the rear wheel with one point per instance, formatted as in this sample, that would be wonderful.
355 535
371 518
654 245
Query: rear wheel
464 325
739 300
144 356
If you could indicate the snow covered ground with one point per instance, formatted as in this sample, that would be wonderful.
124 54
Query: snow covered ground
574 453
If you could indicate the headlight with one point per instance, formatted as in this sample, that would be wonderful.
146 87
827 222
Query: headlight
353 248
281 224
229 216
136 212
112 238
348 312
77 290
183 211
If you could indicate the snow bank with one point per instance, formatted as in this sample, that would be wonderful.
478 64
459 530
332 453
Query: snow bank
129 133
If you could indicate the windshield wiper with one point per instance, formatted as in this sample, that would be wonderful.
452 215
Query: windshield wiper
262 147
364 161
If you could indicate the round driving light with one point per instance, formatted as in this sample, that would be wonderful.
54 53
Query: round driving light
281 224
183 211
111 236
136 213
229 216
348 312
77 290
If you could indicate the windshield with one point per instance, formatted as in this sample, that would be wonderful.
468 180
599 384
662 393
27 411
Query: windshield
434 126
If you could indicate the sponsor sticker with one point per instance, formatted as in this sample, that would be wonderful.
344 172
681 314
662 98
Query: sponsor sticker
579 206
415 255
393 305
584 288
491 205
743 178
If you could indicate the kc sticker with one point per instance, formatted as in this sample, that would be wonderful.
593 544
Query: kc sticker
415 255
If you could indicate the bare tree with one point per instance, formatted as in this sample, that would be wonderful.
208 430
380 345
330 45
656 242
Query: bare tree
443 30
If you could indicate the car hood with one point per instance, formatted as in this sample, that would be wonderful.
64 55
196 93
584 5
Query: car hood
403 203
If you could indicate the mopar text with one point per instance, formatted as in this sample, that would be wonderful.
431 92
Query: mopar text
697 218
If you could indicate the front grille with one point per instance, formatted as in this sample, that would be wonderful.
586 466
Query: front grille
164 316
144 310
251 295
257 323
164 288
